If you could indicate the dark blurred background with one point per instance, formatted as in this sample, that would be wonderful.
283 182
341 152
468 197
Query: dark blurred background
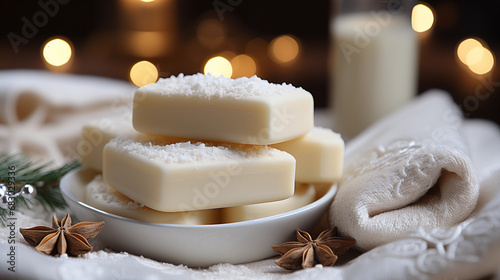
109 37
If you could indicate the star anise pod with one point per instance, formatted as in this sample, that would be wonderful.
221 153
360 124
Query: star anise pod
306 252
62 238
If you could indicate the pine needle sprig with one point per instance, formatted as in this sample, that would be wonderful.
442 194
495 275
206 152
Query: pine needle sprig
41 176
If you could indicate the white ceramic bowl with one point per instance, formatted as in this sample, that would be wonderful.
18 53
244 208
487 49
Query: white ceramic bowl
192 245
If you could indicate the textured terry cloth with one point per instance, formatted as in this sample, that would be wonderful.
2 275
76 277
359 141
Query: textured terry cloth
410 170
42 113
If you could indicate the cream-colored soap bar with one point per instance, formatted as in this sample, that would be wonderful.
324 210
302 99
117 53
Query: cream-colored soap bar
185 176
242 110
304 194
105 198
98 133
319 155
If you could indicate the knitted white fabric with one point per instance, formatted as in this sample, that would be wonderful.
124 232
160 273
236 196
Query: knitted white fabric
410 170
42 113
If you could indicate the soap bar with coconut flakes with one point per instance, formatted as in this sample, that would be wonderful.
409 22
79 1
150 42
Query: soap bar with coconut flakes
319 155
97 133
304 195
195 176
103 197
242 110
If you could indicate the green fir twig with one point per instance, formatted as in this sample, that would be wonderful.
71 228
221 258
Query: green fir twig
43 178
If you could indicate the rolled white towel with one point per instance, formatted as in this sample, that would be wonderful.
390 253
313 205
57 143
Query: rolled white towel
410 170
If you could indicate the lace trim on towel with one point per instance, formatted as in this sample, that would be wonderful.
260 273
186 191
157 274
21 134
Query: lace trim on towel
438 250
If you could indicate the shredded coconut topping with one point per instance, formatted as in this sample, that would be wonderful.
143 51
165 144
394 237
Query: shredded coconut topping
209 86
185 152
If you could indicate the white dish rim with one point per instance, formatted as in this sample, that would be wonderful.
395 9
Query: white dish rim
328 195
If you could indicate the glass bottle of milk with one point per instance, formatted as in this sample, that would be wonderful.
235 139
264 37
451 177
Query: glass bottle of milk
373 61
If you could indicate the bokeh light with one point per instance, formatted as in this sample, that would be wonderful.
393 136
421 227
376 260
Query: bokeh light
283 49
143 73
465 47
422 18
218 66
485 64
476 55
147 43
57 52
243 66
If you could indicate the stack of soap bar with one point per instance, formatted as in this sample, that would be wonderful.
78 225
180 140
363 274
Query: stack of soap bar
319 155
243 110
103 197
256 140
304 194
193 176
